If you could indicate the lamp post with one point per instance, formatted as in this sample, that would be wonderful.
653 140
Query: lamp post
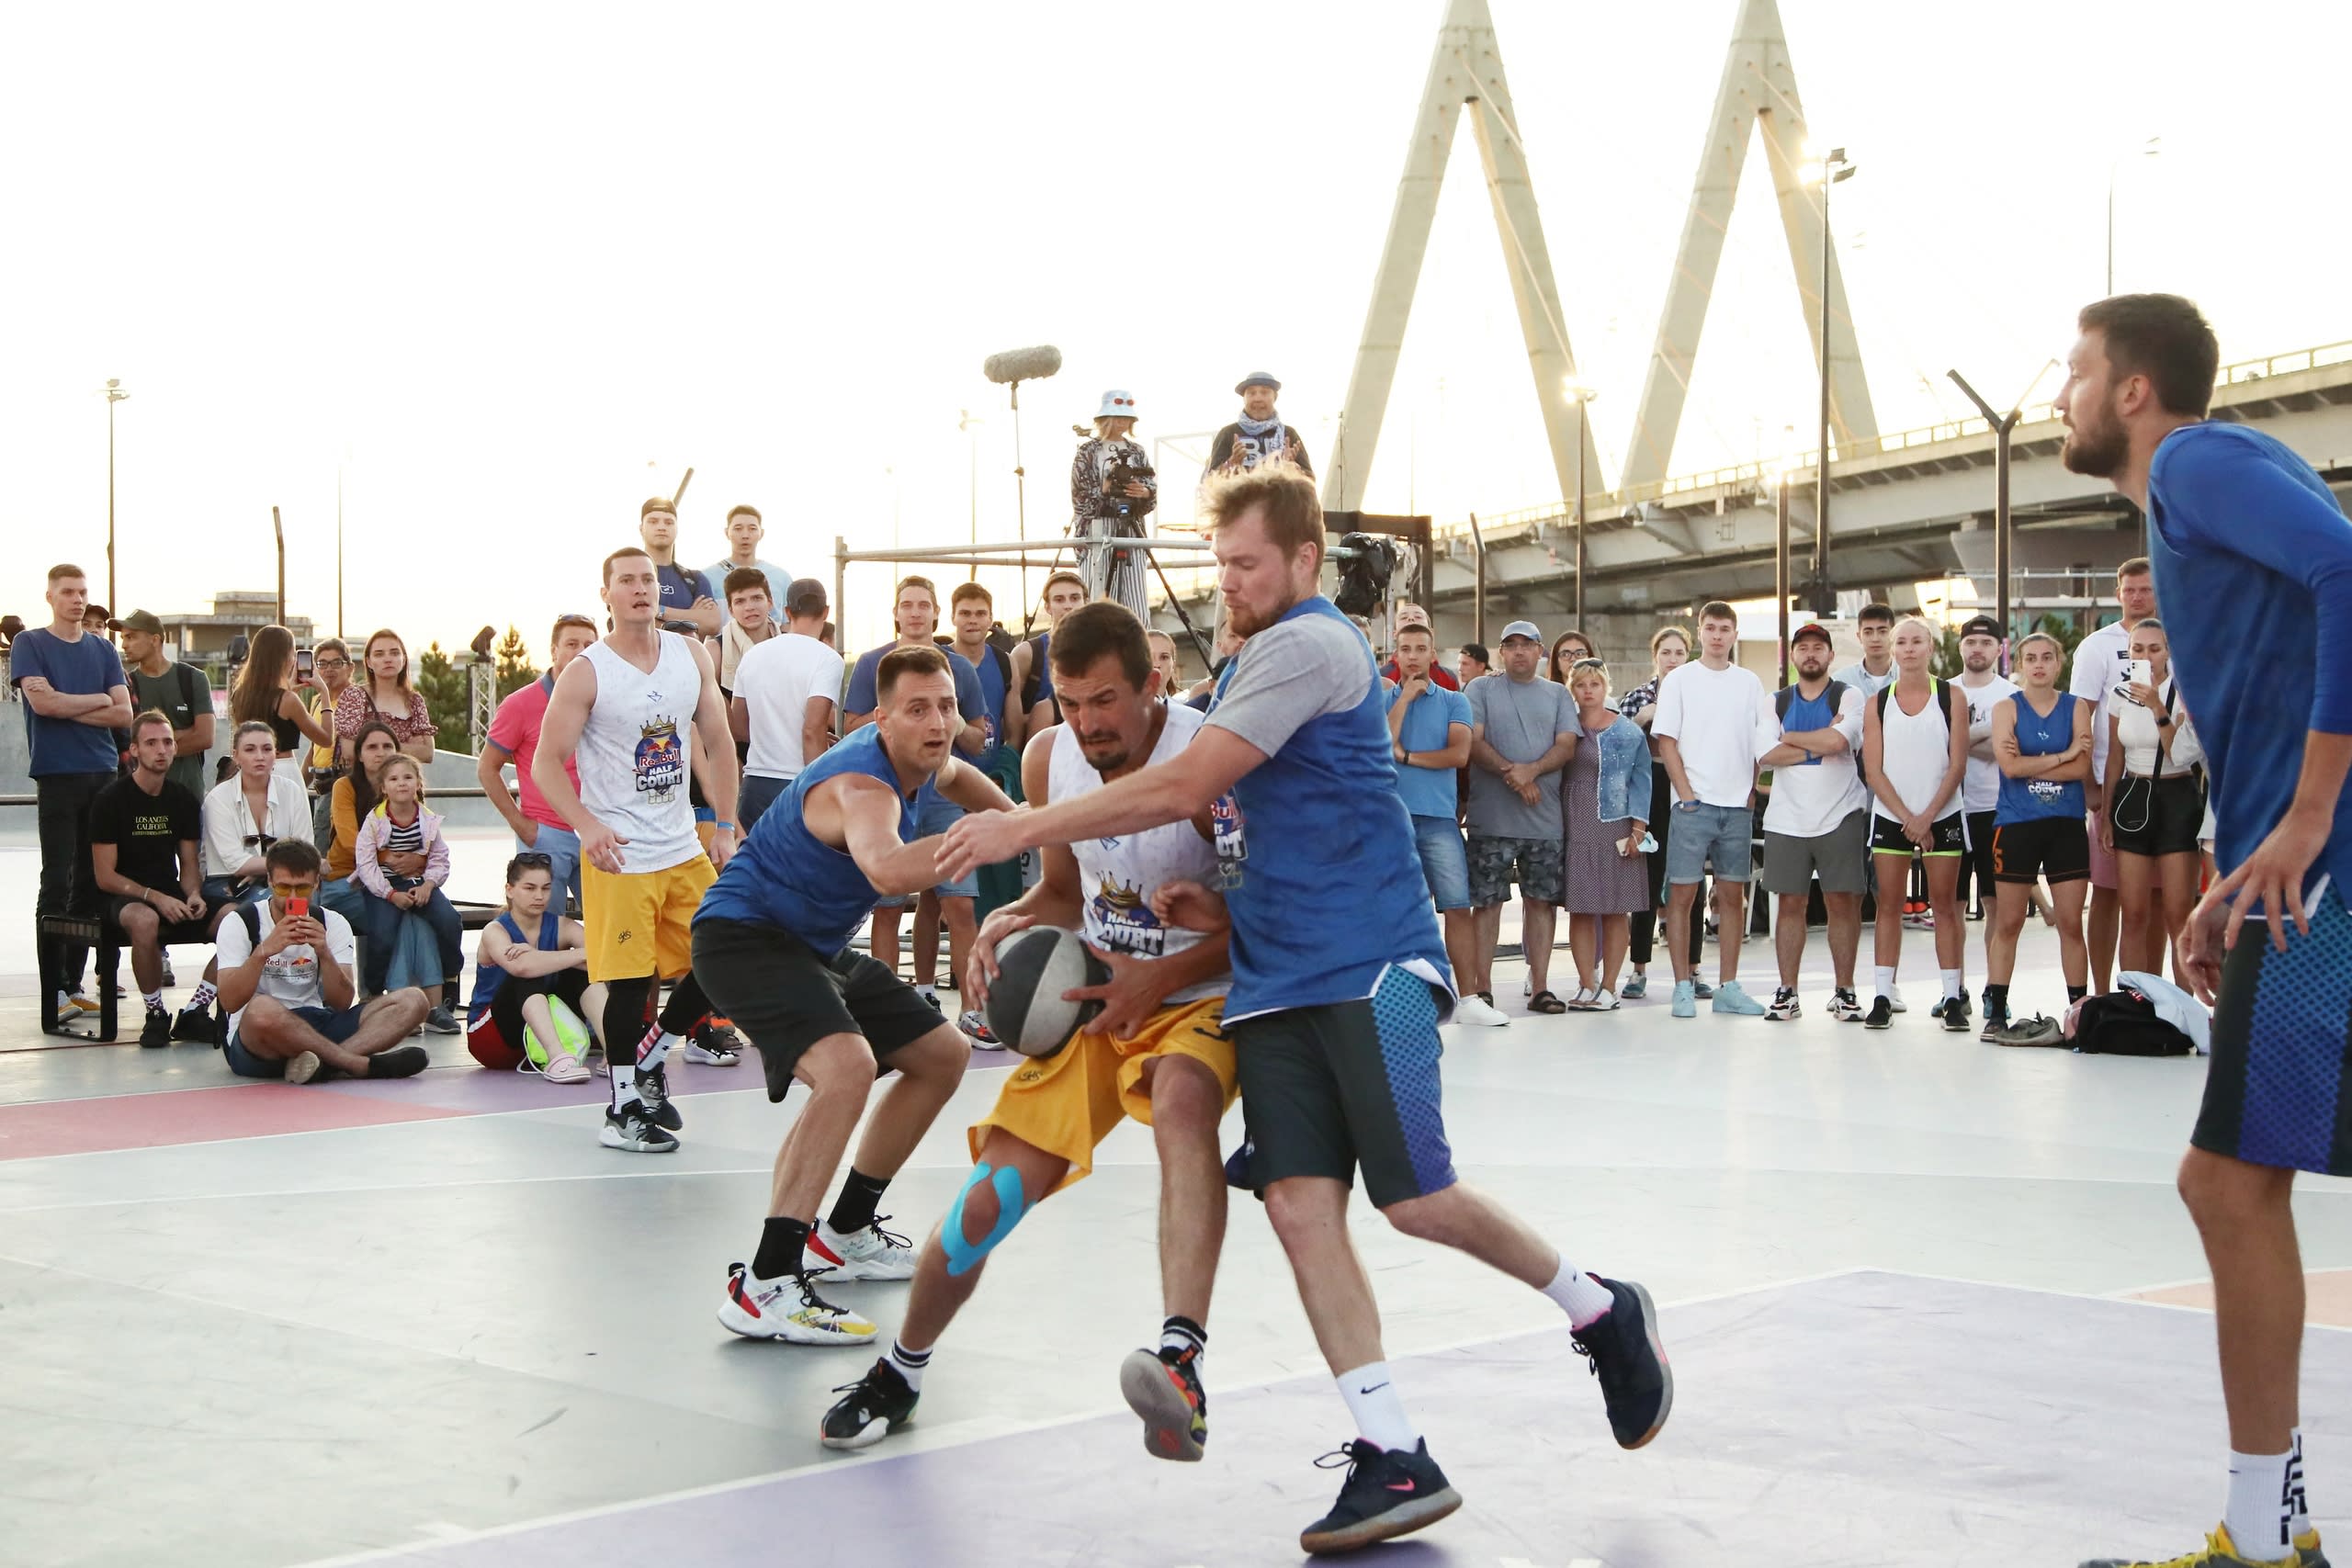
2003 424
1779 480
1581 397
1832 168
967 423
2151 147
114 394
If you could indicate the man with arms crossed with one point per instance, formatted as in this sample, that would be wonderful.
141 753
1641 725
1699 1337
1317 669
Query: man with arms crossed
1154 1053
514 734
1983 688
1816 822
2243 526
630 707
689 604
772 945
1338 992
1429 725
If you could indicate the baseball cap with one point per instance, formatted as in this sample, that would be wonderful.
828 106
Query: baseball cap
1256 378
142 621
656 503
806 597
1523 628
1411 615
1982 626
1813 629
1478 650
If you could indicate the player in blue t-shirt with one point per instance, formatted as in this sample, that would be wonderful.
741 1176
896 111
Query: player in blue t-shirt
772 949
1338 989
2253 559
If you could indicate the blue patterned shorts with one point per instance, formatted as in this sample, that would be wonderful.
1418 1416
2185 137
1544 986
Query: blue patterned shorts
2282 1036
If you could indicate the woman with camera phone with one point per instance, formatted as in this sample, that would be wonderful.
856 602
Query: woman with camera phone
2155 795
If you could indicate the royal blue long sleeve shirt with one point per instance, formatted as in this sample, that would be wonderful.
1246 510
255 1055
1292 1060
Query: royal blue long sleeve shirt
2253 561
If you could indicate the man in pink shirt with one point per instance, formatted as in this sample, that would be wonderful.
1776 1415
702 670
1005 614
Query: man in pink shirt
515 736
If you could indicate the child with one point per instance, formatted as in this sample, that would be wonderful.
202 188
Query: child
400 860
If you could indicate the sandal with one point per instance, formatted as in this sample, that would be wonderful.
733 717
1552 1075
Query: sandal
1544 1001
1600 1001
1585 999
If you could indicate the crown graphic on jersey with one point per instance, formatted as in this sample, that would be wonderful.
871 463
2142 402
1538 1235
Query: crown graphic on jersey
660 728
1119 897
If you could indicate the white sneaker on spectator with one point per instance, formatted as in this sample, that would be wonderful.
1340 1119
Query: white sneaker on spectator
1895 1000
1479 1014
71 1004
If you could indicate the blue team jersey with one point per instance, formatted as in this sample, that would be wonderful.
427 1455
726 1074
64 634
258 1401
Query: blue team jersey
2029 800
990 674
2253 561
786 876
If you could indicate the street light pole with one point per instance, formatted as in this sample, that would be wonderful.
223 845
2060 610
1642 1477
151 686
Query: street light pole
1832 169
2002 425
2148 149
1582 397
114 394
965 422
1780 584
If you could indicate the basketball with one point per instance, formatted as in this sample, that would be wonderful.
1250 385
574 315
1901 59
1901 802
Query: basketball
1034 968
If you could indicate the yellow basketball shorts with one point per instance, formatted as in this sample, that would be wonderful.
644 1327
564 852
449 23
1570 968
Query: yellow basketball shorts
1066 1104
641 923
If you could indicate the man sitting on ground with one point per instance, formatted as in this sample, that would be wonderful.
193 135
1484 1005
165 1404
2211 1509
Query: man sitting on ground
287 984
144 830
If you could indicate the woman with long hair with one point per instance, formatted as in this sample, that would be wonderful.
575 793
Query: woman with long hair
268 691
1112 492
399 832
1670 649
381 693
354 795
1567 648
2155 787
1914 758
1604 815
245 813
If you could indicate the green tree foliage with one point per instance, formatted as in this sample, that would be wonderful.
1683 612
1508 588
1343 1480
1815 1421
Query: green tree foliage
516 670
444 685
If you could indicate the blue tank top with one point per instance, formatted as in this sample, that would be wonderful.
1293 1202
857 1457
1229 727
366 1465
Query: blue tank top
2030 800
786 876
1321 877
488 977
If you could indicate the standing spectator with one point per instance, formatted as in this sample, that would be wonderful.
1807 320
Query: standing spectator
750 621
1522 732
533 1001
1259 434
1712 724
2154 786
1428 730
1473 661
330 677
689 604
266 690
1163 658
1111 491
1874 671
1605 808
178 691
382 694
1409 615
1567 648
1983 689
1670 649
74 698
2102 663
2042 738
1915 753
1816 822
1222 646
744 532
785 692
254 807
971 611
515 736
400 860
1032 670
143 834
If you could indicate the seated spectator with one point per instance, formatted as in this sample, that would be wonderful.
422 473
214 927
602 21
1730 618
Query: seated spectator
178 691
1408 617
533 1001
144 829
265 693
253 808
382 694
1429 733
285 982
744 532
331 677
783 707
2155 787
1604 809
401 860
1567 648
514 735
354 796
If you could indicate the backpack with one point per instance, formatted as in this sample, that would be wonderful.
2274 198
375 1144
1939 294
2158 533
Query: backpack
1834 694
187 700
2125 1023
252 919
1943 697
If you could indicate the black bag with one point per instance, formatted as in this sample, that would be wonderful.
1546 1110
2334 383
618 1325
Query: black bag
2124 1023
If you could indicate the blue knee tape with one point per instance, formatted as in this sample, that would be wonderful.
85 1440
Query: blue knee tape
963 1257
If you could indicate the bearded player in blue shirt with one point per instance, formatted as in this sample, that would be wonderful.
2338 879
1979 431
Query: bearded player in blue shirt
2254 567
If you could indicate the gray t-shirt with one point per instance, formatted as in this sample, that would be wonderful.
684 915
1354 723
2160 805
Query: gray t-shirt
1520 719
1292 672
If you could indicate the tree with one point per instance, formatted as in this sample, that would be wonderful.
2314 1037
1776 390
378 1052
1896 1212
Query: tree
444 686
516 670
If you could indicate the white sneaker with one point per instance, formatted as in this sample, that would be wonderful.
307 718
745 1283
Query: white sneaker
1527 987
1895 1000
1478 1014
869 1253
789 1309
75 1004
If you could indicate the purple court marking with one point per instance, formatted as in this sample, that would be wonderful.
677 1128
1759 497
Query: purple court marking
1868 1418
478 1090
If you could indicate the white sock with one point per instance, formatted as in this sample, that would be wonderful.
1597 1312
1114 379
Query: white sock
1955 983
910 1364
1380 1414
624 1083
1884 978
155 1000
928 993
2260 1505
1585 1299
205 992
2301 1521
655 1048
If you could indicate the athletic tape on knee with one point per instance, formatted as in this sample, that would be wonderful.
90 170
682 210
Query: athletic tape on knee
963 1257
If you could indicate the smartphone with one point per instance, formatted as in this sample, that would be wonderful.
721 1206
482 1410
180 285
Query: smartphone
2144 673
302 664
298 909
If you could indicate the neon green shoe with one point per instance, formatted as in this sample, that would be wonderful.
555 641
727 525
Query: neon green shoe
559 1063
2307 1550
2220 1551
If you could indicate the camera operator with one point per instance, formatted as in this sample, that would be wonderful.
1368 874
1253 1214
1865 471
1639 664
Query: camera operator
1111 491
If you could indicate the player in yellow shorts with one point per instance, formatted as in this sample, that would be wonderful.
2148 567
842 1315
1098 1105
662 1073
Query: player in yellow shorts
1154 1053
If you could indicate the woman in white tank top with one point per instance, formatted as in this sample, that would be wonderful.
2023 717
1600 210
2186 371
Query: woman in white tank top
1914 747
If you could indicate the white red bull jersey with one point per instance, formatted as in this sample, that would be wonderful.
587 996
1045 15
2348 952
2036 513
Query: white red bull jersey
636 754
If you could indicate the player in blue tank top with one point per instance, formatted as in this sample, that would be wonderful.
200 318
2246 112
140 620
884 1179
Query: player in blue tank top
2253 559
1338 989
2041 743
772 949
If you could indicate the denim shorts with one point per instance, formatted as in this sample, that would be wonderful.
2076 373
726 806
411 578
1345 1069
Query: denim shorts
937 817
1703 832
1445 866
337 1024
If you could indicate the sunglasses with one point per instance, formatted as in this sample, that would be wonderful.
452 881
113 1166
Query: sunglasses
259 842
1588 664
534 858
575 619
293 889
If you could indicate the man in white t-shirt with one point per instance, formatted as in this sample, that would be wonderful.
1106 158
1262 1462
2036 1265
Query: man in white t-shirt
1712 724
288 986
1816 822
2102 661
786 691
1983 688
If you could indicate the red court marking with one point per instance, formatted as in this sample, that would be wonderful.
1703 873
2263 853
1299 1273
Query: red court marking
191 1116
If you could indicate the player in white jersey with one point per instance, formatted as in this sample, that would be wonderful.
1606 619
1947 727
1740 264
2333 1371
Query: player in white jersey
631 708
1156 1053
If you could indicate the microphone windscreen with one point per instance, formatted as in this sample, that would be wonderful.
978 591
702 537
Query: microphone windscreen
1022 363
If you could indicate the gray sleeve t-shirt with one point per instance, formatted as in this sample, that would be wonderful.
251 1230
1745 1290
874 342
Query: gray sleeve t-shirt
1520 720
1289 673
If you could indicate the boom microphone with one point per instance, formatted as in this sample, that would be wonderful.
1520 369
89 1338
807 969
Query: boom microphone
1022 363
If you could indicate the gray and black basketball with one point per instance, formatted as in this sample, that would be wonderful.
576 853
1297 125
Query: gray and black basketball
1034 968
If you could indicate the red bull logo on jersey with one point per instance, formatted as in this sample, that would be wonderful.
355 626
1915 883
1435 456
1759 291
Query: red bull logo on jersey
1227 838
660 763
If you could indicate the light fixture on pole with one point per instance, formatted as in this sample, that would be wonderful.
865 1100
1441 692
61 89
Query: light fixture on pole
966 423
1832 168
2002 425
1581 397
114 394
1777 477
2153 147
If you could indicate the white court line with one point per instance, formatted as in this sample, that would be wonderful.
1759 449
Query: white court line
2116 1298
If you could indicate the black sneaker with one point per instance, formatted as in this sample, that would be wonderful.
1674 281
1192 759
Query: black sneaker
634 1130
195 1026
654 1088
1164 1386
1996 1019
1955 1016
1623 1348
400 1062
157 1031
1388 1493
878 1404
1937 1010
1843 1008
1881 1016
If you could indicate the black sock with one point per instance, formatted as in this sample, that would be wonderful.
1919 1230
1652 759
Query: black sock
1181 1334
780 1244
2077 993
1996 998
853 1209
686 1006
449 993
